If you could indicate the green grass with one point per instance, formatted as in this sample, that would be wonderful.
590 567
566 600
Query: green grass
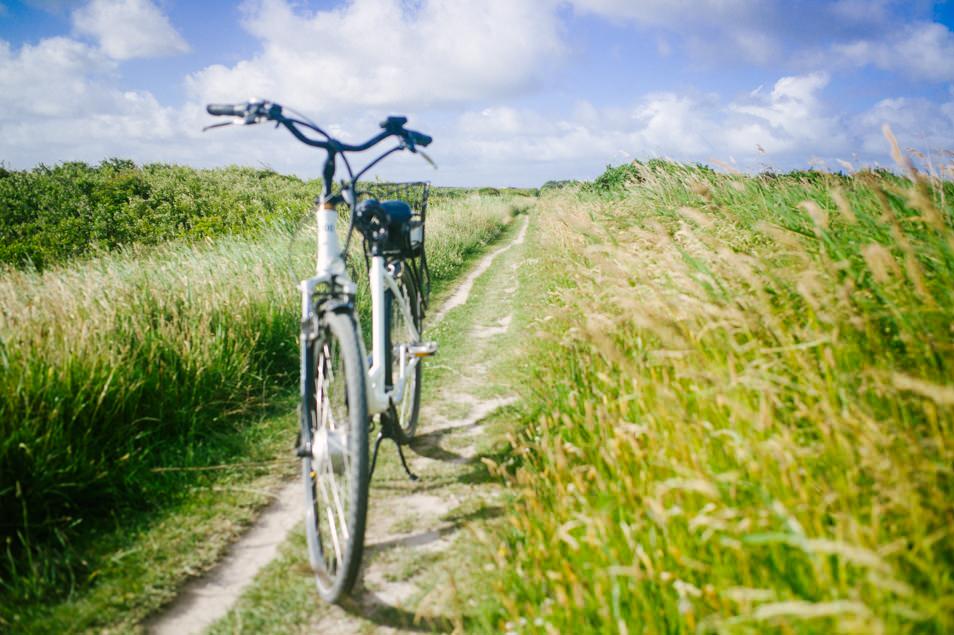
282 599
741 409
133 563
118 366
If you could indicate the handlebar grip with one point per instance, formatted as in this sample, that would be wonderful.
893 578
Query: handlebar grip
419 138
226 110
394 123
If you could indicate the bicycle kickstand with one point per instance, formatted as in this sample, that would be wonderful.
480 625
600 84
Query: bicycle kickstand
387 433
411 475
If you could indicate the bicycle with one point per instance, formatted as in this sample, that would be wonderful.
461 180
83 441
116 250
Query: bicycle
341 387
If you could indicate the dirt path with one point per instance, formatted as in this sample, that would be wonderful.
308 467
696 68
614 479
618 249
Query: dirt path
207 598
411 525
462 293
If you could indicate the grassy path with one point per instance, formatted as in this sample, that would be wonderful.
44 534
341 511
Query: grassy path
417 531
167 495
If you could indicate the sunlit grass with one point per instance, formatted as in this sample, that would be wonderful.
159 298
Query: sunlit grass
125 363
742 410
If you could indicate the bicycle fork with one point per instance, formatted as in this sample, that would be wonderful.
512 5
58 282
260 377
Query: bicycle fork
340 296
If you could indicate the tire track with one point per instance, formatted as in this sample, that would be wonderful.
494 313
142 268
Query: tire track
209 597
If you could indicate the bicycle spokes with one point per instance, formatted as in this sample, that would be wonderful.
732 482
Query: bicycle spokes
336 478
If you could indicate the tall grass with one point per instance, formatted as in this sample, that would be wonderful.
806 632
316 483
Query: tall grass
742 412
126 362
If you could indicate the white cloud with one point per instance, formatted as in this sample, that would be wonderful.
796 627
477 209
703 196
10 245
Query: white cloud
50 79
127 29
62 99
713 29
792 116
791 123
59 101
924 50
918 123
672 12
670 124
390 53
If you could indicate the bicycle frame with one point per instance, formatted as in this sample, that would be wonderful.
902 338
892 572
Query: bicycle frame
330 270
337 446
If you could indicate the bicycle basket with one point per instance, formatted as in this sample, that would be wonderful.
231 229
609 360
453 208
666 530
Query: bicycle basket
407 241
414 194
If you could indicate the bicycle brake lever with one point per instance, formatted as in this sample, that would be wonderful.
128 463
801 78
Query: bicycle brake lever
427 158
218 125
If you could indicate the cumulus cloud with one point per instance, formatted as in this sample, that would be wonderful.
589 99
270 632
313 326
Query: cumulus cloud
924 50
59 100
788 126
711 29
790 117
389 53
127 29
62 98
788 123
50 79
890 34
918 123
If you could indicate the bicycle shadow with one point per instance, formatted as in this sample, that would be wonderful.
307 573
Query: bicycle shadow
368 605
365 604
429 446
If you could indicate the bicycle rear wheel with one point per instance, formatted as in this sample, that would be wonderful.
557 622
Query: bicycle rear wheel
335 474
399 335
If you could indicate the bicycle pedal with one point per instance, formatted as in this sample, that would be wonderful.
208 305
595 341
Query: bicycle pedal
424 349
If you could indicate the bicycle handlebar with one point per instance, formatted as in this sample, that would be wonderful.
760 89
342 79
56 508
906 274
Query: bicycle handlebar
226 110
253 111
419 138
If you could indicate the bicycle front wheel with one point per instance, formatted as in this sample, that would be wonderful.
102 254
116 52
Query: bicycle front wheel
335 473
400 336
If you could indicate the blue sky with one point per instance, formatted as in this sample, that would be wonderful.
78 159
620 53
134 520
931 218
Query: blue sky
515 92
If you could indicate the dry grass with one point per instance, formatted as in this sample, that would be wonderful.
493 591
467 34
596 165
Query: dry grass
743 410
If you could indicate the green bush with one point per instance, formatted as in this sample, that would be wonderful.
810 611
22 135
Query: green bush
53 214
550 186
616 180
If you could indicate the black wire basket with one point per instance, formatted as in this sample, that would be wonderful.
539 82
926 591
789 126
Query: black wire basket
413 193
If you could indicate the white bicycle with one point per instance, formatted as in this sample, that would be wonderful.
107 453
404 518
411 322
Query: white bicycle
341 388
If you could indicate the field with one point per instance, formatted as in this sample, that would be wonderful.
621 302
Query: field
735 407
741 412
117 366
